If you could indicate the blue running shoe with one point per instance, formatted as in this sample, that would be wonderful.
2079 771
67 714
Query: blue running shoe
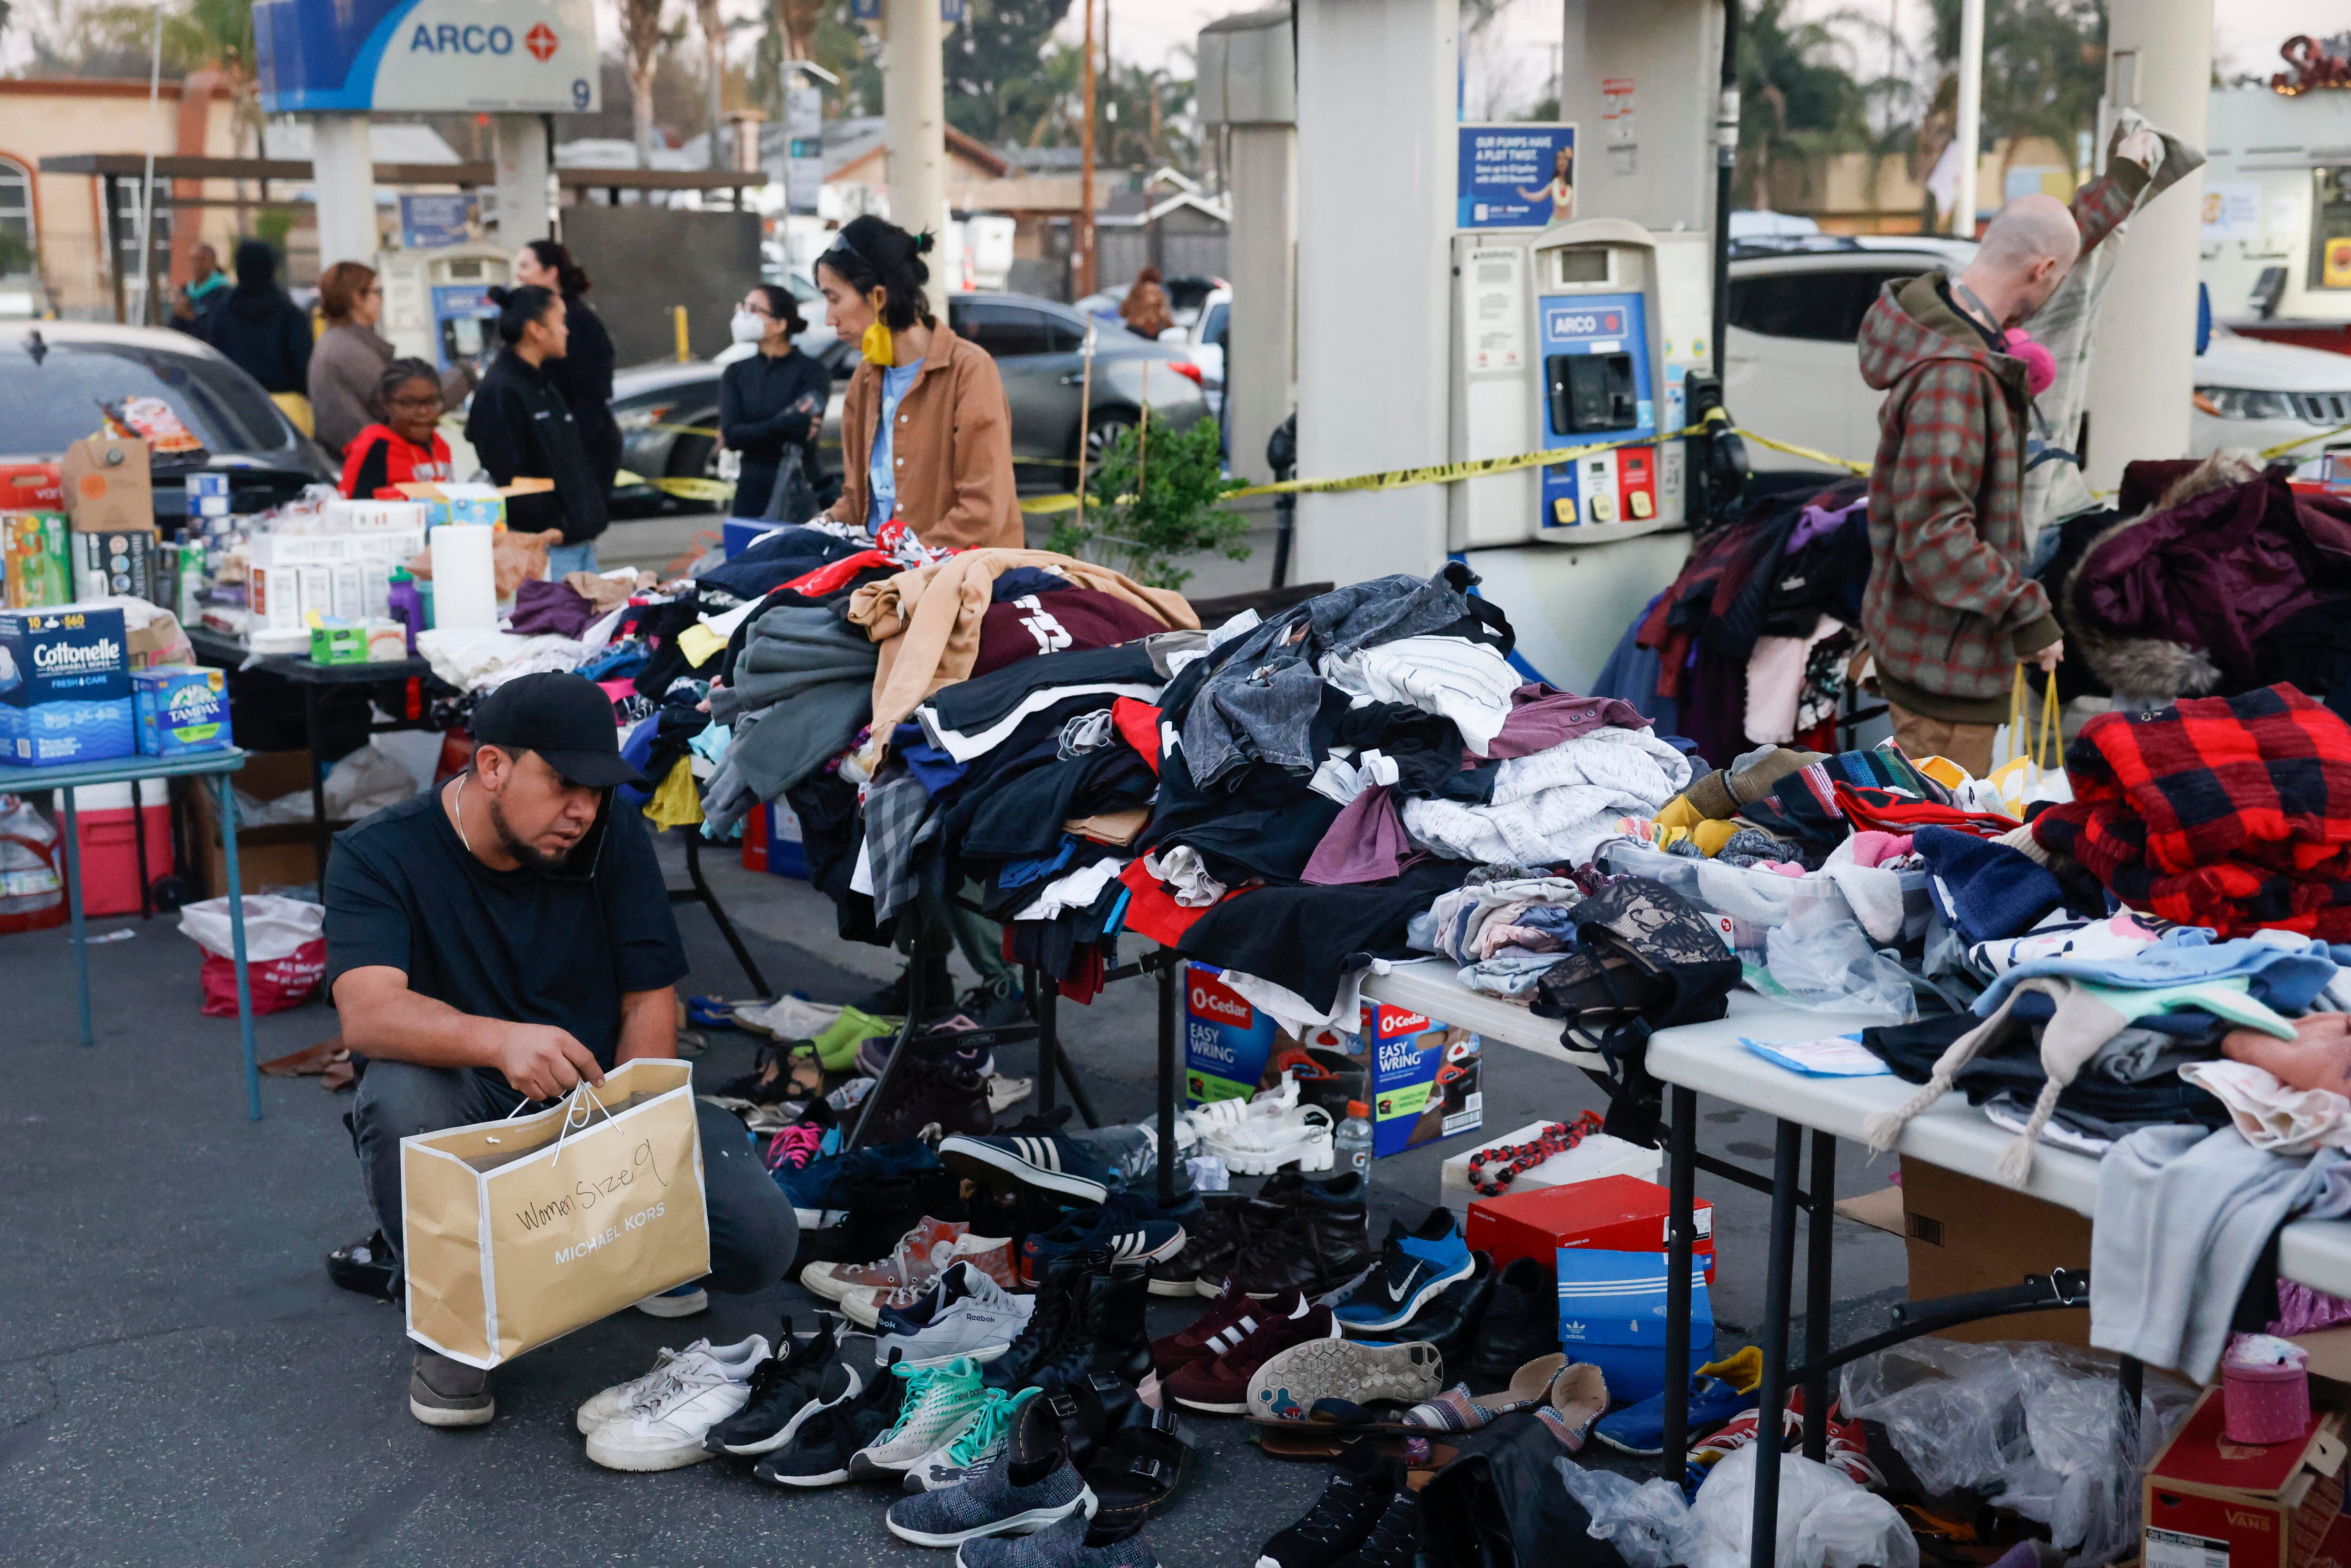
1414 1267
1718 1391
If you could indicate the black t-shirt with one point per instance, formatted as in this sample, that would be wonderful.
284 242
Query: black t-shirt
403 891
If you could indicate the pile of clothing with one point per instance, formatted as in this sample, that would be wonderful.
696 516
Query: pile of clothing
1749 645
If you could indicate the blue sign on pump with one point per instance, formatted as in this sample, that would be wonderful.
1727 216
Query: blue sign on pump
502 56
1516 176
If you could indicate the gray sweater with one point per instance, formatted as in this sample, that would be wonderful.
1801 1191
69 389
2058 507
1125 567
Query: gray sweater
346 363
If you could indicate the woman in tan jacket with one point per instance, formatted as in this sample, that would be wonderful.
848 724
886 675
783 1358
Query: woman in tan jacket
926 433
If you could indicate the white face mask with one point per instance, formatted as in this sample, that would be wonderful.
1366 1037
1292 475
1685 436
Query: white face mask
749 326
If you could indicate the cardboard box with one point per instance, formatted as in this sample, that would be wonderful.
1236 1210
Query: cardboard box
107 487
1598 1155
1965 1234
65 686
1426 1078
279 855
1612 1314
1613 1213
180 710
2211 1503
1227 1041
35 486
338 644
37 573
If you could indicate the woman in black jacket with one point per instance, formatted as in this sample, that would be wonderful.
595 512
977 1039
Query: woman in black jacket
770 405
584 374
522 429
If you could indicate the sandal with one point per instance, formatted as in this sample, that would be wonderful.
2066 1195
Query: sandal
1459 1410
1579 1396
367 1267
1137 1468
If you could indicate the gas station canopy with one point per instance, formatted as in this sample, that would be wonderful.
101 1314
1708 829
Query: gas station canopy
498 57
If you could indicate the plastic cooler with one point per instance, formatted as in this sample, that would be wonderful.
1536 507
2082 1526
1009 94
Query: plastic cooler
108 841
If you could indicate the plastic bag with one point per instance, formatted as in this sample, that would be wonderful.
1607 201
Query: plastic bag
284 951
1649 1525
363 782
32 892
2033 1427
1827 1519
1821 959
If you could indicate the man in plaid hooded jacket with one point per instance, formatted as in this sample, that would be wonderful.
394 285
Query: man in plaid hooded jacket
1949 610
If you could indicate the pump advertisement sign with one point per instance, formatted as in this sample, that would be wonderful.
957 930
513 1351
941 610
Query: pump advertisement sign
501 56
1519 176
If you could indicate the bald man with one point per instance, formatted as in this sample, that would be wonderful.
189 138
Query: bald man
1949 612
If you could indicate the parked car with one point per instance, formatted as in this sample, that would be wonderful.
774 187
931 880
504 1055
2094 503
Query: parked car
1039 349
1188 297
1796 309
56 375
1205 339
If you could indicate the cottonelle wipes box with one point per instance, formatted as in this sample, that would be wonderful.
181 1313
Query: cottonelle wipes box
65 686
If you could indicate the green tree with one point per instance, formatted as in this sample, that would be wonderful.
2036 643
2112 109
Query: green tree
1150 502
1797 97
2044 66
997 90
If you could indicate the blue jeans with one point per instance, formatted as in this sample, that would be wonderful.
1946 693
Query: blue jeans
561 558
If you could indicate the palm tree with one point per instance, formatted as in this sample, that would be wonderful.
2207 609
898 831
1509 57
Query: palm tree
1796 97
713 28
643 35
2044 66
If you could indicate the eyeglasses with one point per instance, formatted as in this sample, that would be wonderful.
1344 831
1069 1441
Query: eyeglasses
427 400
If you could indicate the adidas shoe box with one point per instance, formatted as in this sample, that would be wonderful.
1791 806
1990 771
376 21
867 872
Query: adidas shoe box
65 686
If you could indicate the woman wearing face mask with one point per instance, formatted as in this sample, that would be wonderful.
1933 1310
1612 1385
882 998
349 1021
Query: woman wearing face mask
771 405
584 374
521 428
926 433
407 447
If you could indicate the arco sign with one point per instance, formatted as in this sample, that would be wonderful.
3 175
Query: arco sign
526 56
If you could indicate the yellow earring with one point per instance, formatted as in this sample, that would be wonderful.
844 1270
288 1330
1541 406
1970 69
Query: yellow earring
879 350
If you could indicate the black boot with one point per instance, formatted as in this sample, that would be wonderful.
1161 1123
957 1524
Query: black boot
1111 1317
1521 1323
1316 1238
1060 1295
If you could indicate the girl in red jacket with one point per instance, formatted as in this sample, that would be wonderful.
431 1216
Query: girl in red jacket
407 447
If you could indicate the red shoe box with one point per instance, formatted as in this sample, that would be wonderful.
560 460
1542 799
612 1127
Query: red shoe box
1614 1214
2247 1505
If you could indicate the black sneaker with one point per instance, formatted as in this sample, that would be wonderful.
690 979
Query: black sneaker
1394 1541
1520 1322
820 1452
992 1004
1045 1162
446 1392
785 1391
1341 1521
890 1000
1210 1238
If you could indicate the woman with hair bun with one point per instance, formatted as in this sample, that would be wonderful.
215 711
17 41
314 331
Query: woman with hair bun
584 374
522 428
925 433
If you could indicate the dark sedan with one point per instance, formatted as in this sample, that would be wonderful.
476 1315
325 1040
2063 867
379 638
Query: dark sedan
1039 349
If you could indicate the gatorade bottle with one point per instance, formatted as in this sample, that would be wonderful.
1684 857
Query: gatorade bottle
1351 1146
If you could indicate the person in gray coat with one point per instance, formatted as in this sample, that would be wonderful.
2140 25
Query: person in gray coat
347 364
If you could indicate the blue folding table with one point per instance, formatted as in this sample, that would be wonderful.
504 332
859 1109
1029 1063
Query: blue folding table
64 779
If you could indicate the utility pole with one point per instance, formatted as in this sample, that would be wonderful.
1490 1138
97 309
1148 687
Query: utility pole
1969 132
1086 166
915 121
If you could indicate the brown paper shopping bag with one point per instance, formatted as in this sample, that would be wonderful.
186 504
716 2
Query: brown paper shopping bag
520 1232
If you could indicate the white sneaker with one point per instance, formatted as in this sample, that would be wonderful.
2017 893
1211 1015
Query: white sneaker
981 1322
1264 1142
663 1429
863 1306
736 1361
940 1402
787 1018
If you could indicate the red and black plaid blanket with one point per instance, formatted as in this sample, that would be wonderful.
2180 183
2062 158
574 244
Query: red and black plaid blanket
2232 812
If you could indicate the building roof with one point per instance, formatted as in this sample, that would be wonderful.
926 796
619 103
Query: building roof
851 141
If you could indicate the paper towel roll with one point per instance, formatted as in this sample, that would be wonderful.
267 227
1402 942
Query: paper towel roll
464 579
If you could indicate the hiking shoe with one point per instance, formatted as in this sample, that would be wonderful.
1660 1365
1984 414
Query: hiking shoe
1718 1391
1047 1162
731 1362
1414 1267
442 1392
1315 1237
820 1452
919 1257
925 1094
990 1431
1031 1484
1213 1332
940 1402
1221 1386
988 1254
1341 1521
1394 1541
665 1428
1520 1322
1288 1386
1129 1226
1074 1543
785 1389
975 1318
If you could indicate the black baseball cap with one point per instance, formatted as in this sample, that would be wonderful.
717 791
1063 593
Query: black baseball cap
564 717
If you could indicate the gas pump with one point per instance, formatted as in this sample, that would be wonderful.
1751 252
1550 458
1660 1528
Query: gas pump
436 303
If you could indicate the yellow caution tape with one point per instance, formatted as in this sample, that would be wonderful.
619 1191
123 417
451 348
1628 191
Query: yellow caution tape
2283 447
1805 451
1044 506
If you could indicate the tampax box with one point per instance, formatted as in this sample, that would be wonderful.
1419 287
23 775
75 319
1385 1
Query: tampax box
1227 1041
2210 1502
179 709
65 686
1612 1213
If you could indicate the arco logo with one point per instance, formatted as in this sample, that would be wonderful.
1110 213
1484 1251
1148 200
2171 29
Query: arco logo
541 41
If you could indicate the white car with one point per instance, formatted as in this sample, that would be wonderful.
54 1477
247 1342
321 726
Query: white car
1793 373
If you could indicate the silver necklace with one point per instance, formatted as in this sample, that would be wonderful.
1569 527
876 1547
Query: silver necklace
457 810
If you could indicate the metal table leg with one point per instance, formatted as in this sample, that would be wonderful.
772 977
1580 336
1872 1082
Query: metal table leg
1681 1151
709 901
1787 1145
907 1032
138 846
323 832
1819 1233
1167 1067
236 945
73 908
